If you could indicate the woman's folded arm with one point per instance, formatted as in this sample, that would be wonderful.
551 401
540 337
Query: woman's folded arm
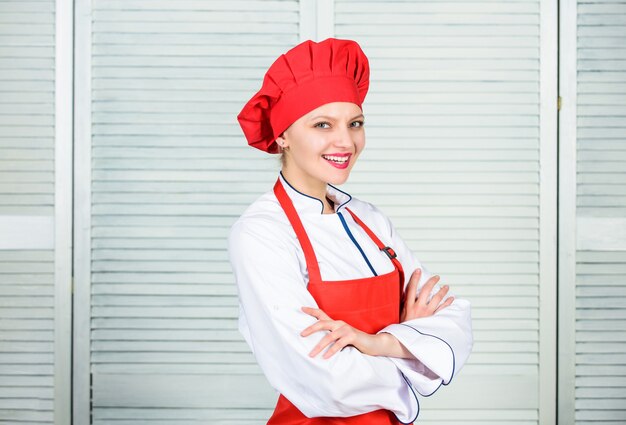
272 291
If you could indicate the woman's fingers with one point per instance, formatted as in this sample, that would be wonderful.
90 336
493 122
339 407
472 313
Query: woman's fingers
339 336
411 289
445 304
320 325
408 297
324 322
338 345
436 299
427 289
316 312
427 302
324 342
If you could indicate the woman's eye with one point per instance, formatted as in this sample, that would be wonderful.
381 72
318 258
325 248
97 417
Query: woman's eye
322 125
357 124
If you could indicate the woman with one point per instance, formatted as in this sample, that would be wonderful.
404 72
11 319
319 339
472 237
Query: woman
343 319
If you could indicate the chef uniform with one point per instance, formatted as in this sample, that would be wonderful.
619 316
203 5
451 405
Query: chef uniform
286 254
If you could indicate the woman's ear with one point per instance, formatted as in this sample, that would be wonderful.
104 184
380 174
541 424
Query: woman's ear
282 141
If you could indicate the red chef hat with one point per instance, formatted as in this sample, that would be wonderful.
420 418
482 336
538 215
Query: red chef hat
306 77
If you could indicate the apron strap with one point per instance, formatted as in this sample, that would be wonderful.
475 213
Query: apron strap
386 249
307 248
296 223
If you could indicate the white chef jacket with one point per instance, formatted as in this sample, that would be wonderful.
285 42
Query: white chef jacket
271 275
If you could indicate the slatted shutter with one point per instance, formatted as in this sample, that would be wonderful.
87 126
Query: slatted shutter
26 197
453 156
170 174
34 277
454 124
600 303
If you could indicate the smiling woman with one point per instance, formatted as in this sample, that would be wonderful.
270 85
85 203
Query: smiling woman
345 322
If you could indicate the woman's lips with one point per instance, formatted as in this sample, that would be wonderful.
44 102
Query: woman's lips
338 160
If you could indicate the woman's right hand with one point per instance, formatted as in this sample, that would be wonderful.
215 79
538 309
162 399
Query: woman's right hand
416 306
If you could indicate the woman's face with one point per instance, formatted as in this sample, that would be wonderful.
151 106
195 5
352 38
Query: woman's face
323 145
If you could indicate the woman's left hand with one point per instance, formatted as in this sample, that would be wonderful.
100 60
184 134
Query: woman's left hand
340 334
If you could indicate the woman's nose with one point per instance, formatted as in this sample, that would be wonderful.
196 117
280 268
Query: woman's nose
343 137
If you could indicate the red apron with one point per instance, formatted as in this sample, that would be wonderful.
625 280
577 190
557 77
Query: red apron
368 304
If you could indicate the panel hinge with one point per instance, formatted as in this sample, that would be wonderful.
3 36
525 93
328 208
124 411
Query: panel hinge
558 103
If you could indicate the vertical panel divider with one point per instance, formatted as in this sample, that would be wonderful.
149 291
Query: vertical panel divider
82 215
325 19
317 19
63 211
567 214
548 147
308 20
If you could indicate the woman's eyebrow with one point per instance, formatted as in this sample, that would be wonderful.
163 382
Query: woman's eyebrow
332 118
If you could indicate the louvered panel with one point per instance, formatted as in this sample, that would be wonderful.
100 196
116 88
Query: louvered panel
26 336
600 337
601 109
453 157
170 174
27 315
27 108
600 387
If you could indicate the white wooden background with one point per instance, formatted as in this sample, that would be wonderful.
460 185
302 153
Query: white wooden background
592 346
35 211
461 154
455 125
27 202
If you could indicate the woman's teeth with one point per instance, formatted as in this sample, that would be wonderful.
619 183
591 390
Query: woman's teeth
339 159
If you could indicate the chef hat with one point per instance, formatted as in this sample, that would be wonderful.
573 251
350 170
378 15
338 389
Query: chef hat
301 80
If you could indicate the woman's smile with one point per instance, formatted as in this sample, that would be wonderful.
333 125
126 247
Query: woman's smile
338 160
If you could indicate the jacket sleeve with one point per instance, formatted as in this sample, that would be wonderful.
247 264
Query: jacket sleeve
272 290
440 343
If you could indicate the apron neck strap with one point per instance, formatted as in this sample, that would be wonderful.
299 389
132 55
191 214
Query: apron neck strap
305 243
296 223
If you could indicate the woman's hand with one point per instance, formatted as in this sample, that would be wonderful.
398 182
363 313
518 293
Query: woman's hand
422 306
340 335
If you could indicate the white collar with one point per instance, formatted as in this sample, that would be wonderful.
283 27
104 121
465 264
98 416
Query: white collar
306 204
